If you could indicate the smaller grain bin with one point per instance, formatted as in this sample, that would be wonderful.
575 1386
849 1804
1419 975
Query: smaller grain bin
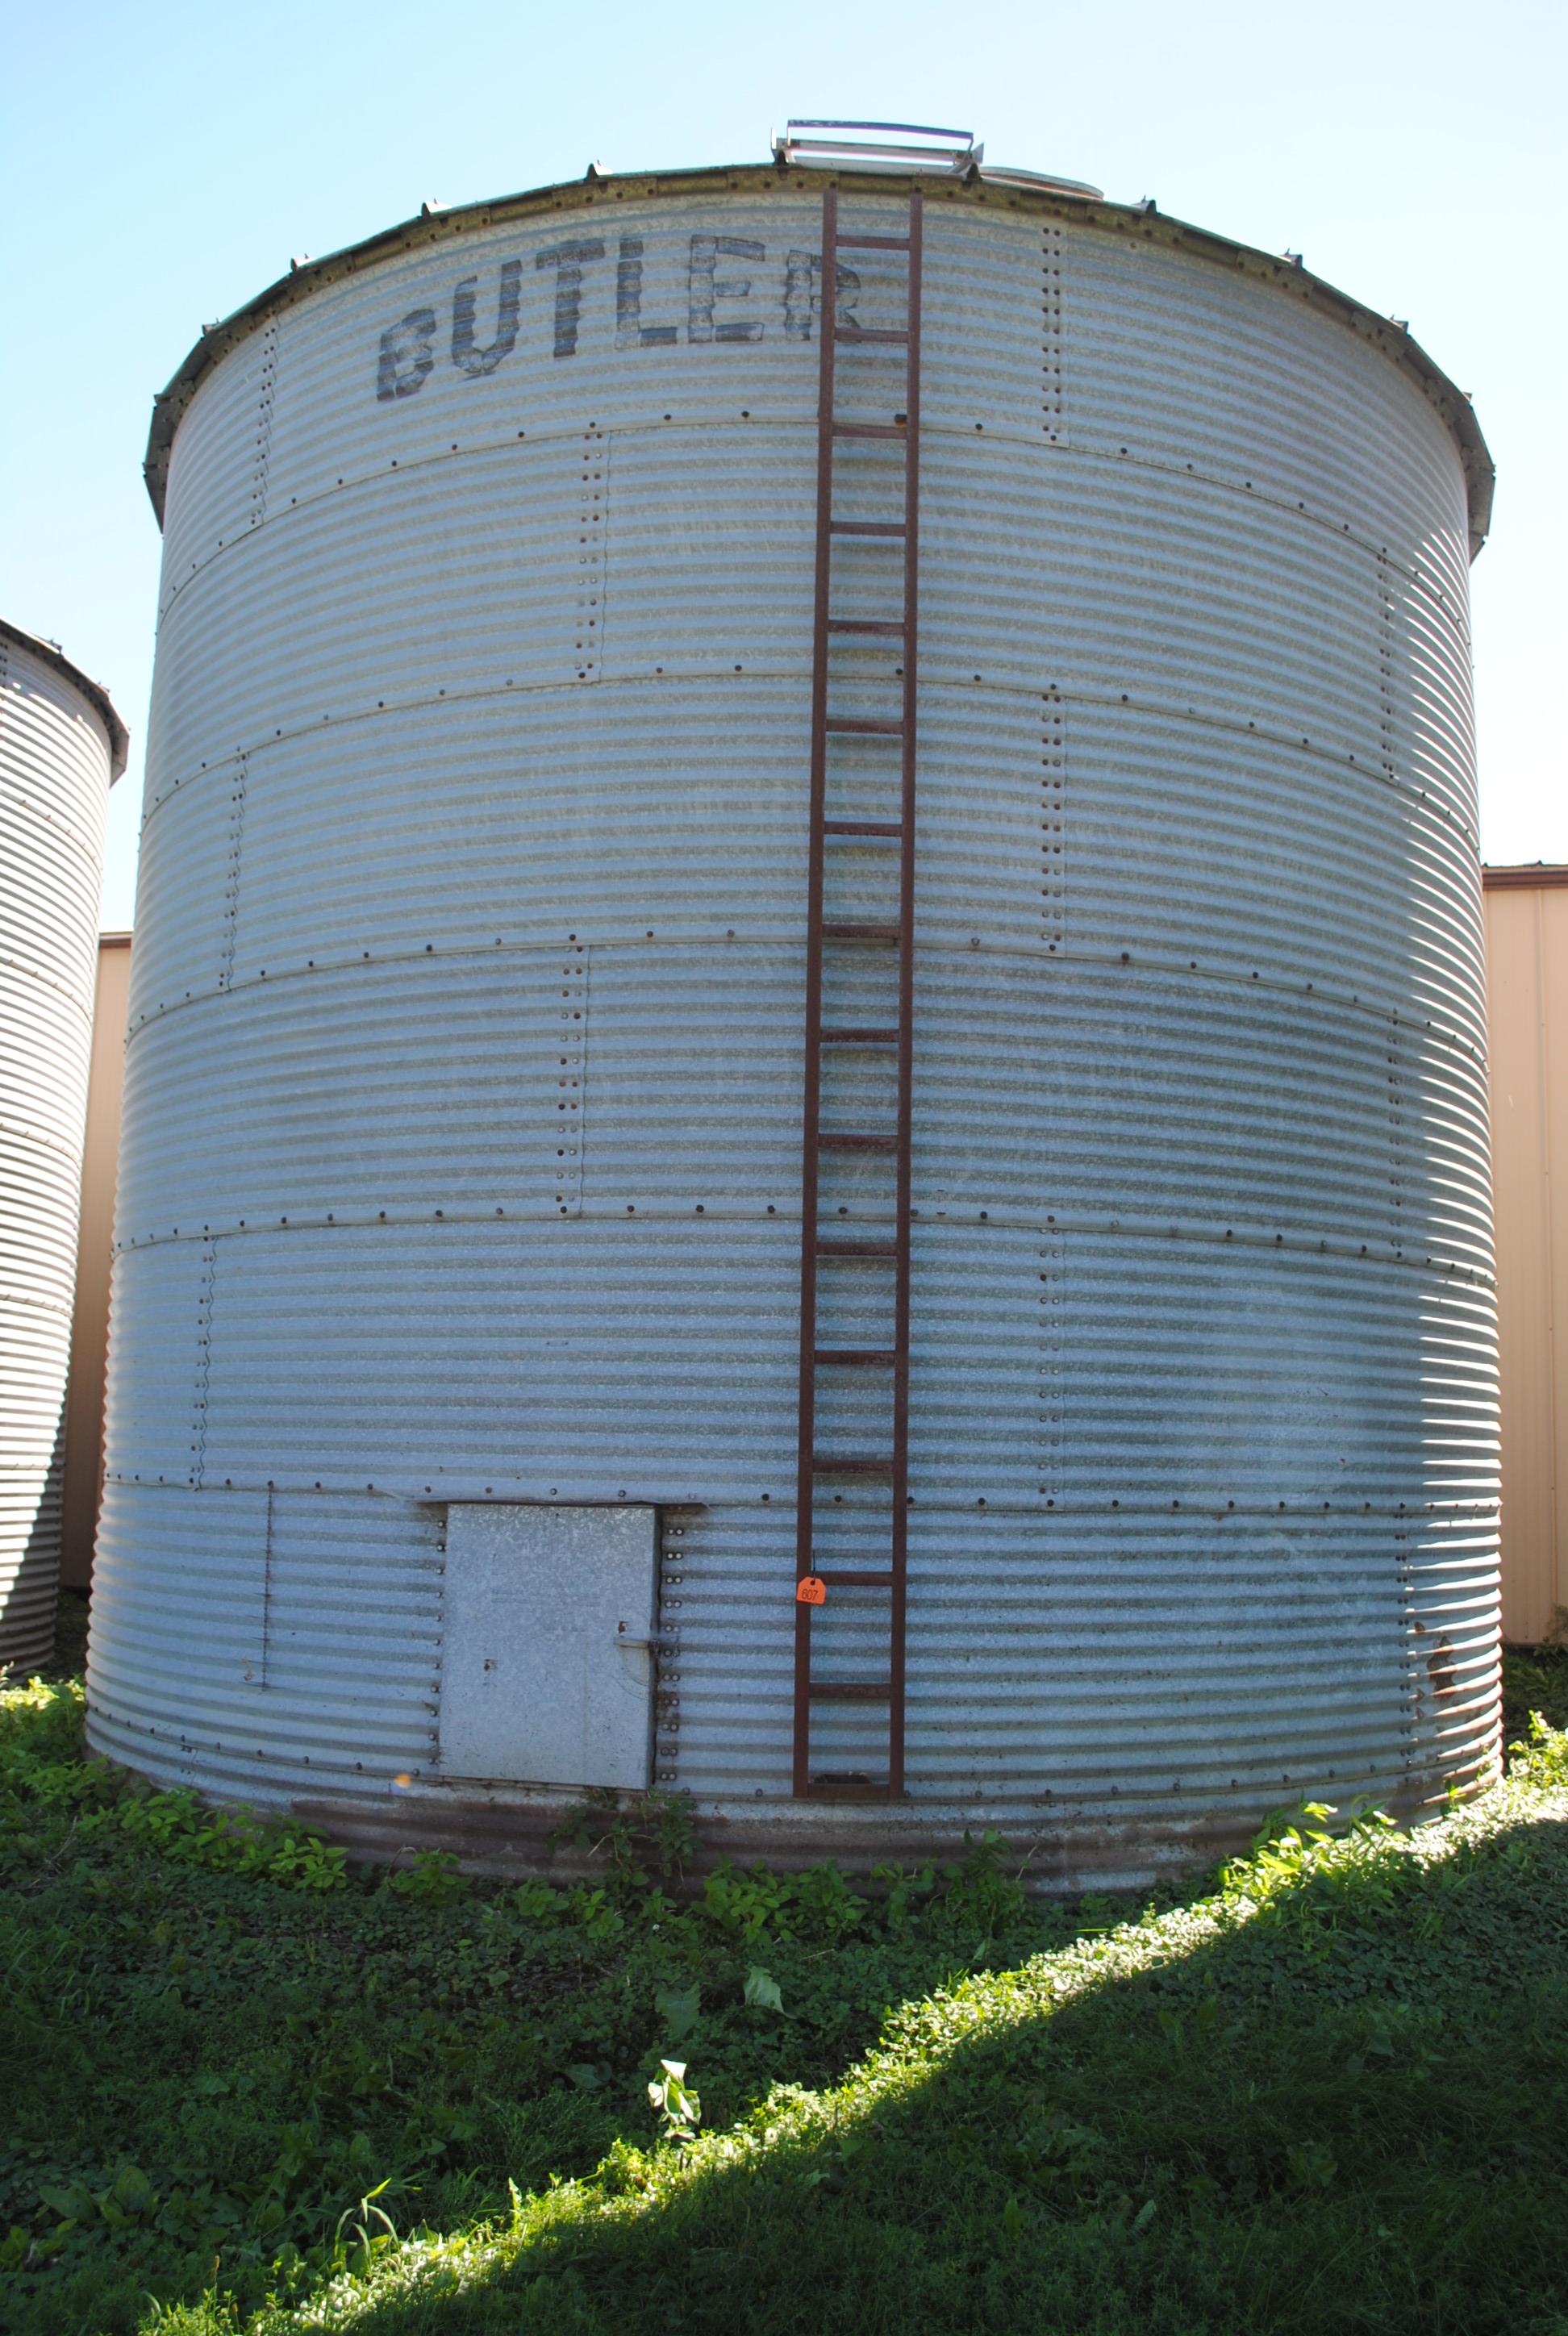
62 747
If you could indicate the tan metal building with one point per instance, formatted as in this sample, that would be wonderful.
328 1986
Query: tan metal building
1527 1018
94 1255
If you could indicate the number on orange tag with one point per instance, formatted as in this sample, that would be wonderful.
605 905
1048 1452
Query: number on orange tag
811 1591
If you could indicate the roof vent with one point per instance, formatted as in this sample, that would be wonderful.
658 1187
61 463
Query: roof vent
877 146
909 146
1000 174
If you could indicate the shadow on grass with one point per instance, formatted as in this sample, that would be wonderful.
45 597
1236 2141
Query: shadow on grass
69 1636
1340 2115
1535 1678
1344 2115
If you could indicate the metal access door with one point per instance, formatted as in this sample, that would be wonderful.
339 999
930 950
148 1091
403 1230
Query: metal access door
547 1656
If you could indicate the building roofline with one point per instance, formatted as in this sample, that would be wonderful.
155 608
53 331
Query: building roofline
433 227
1527 876
49 653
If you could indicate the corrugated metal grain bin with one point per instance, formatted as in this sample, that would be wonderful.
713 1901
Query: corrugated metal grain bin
94 1256
1527 1009
62 745
454 1434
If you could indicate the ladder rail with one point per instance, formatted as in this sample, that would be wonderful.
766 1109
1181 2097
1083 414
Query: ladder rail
806 1481
899 1594
821 930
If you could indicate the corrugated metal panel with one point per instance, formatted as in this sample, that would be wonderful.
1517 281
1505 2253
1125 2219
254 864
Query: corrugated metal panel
55 751
1180 364
1113 585
1187 842
462 1110
1173 1639
427 1083
1232 1662
500 1356
315 1642
219 476
1527 976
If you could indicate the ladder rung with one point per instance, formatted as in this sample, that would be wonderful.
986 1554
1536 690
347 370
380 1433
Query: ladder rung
885 827
858 1358
871 430
858 725
863 931
867 527
828 1464
852 1690
849 1245
873 242
889 338
847 1789
882 627
856 1140
844 1036
838 1577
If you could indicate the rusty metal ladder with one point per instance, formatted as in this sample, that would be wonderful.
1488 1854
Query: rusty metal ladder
857 1048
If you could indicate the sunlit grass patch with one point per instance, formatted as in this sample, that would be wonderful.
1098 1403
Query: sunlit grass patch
258 2090
1324 2097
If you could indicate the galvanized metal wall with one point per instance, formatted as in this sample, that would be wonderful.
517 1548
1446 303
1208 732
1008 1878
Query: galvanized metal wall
1527 998
462 1107
57 749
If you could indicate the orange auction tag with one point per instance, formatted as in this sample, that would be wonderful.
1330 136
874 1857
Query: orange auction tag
811 1591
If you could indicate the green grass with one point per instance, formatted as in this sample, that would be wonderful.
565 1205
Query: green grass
1323 2093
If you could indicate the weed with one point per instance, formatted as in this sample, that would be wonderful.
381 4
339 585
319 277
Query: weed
362 2232
980 1893
679 2109
678 2008
433 1878
633 1832
763 1991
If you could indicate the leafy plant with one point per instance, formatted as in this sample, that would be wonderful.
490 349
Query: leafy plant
902 1892
630 1835
362 2232
679 2108
1544 1756
741 1906
763 1991
981 1892
540 1901
678 2008
432 1878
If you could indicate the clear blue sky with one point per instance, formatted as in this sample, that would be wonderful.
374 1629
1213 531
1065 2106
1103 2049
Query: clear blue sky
160 165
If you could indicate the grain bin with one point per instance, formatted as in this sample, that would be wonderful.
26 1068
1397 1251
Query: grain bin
62 747
768 875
